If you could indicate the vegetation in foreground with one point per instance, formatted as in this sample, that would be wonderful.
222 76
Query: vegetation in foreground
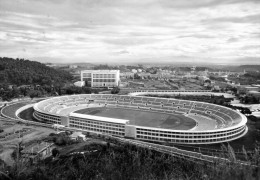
97 160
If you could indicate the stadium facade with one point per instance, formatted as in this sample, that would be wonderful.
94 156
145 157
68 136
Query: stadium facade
101 78
230 124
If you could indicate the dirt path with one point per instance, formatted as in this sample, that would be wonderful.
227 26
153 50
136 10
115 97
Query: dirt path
9 144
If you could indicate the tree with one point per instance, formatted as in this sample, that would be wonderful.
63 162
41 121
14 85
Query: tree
18 151
20 72
207 81
60 140
115 90
55 152
136 76
86 90
35 93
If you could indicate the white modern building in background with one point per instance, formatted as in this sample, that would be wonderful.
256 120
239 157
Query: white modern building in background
101 78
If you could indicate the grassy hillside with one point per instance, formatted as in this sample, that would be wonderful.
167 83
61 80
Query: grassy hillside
19 72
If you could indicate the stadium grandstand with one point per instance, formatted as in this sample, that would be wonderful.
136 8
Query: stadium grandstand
144 118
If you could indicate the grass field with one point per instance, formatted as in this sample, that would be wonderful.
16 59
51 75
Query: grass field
144 118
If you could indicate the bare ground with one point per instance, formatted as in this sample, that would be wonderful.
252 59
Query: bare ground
8 146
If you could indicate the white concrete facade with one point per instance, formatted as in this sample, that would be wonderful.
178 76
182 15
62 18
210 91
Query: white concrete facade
101 78
232 124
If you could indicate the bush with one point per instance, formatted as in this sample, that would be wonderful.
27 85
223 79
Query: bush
60 139
55 152
115 90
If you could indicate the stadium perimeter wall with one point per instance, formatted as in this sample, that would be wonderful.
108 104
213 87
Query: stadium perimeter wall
101 125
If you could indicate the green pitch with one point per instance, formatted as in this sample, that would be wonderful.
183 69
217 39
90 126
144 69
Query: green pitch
144 118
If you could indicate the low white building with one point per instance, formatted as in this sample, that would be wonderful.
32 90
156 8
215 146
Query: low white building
78 135
79 83
134 71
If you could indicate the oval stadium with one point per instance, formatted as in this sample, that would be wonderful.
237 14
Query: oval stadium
144 118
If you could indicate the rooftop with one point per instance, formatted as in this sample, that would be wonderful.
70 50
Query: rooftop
104 71
254 92
99 118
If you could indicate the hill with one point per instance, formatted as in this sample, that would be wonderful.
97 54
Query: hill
97 159
250 67
241 68
19 72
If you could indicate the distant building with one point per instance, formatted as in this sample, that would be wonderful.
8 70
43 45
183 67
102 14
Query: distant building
73 66
203 78
253 90
134 71
193 68
101 78
246 88
254 93
144 75
126 75
78 136
216 88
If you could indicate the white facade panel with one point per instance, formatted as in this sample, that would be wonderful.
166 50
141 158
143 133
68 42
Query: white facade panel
101 78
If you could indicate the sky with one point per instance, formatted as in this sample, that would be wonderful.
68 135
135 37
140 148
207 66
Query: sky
131 31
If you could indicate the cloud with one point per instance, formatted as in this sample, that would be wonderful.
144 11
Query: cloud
230 40
122 52
101 30
255 19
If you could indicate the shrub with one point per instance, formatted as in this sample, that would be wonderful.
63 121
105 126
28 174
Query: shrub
115 90
55 152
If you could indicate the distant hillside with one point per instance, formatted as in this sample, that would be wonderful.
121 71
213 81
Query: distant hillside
20 71
250 67
198 68
241 68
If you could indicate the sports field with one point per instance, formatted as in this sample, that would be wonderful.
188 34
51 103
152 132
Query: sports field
144 118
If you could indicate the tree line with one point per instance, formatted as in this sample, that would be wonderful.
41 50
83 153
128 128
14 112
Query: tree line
24 72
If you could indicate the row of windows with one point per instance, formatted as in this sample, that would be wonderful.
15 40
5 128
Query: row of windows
170 91
86 79
184 133
97 126
104 80
48 119
87 75
186 136
99 130
103 84
53 121
74 120
47 116
187 140
104 75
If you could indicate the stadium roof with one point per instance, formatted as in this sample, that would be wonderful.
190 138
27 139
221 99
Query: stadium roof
99 118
